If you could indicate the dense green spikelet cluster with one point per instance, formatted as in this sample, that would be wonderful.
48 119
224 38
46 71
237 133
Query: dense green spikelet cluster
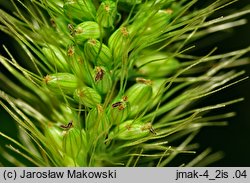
108 83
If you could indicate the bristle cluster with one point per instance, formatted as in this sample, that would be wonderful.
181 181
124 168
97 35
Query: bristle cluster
112 79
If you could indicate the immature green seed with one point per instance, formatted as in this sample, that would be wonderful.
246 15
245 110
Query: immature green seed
119 110
131 130
103 81
79 66
97 121
79 10
157 64
119 44
74 144
87 96
56 58
106 13
139 95
61 82
98 53
54 135
67 140
86 30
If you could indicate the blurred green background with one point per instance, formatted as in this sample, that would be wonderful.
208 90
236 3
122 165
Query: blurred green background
234 139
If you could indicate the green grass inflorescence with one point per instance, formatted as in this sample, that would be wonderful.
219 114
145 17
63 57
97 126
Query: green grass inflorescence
112 83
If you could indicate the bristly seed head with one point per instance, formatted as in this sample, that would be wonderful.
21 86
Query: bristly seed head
93 52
